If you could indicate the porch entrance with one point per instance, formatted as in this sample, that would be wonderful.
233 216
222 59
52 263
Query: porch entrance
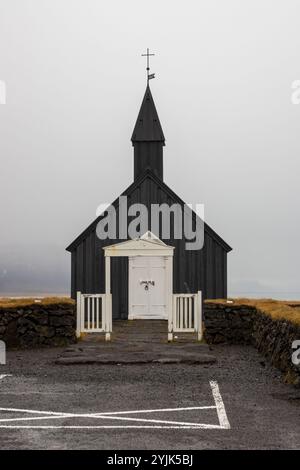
150 291
147 288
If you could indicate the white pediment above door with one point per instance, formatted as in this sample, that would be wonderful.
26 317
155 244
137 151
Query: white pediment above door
149 236
147 245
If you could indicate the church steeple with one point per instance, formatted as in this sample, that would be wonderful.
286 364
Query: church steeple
148 139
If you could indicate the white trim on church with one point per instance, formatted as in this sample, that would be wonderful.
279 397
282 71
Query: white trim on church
183 311
148 245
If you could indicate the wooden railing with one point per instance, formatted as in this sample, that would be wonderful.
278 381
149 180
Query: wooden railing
94 314
186 315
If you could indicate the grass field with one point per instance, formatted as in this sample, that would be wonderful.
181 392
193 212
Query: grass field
7 302
276 309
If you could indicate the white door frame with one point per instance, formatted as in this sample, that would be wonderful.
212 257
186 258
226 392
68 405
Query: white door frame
168 273
147 245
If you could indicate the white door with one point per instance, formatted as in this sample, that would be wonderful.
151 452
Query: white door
147 287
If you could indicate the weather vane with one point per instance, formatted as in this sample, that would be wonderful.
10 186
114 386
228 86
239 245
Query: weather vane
149 75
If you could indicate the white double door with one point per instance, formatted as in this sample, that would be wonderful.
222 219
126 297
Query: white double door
147 287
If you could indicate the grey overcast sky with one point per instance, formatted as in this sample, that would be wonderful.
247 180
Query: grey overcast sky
75 79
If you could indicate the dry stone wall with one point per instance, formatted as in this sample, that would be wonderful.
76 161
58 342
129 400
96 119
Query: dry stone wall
244 324
38 325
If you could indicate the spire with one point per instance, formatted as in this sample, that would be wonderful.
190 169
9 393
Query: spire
148 139
148 127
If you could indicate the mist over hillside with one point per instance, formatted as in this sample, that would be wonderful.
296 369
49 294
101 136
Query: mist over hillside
34 270
38 270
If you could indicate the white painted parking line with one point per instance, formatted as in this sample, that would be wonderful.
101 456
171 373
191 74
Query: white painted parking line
115 415
222 415
113 427
2 376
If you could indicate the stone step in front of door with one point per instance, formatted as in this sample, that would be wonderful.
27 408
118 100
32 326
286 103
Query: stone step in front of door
132 359
140 331
138 342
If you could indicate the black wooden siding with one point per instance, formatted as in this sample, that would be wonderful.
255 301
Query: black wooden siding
204 269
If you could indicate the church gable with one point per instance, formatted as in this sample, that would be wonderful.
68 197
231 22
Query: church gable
147 190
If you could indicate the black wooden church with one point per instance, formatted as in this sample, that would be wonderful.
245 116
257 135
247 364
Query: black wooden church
194 270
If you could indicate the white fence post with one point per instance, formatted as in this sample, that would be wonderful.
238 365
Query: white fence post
169 277
172 312
2 352
82 312
108 317
108 304
78 314
199 315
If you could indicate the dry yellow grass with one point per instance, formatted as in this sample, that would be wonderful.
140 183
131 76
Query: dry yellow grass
277 309
6 302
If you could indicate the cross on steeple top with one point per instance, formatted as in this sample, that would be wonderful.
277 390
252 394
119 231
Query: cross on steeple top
148 55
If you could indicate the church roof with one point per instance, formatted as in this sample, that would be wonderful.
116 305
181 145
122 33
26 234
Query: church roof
148 127
148 174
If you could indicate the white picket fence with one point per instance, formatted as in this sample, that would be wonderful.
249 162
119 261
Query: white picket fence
186 315
94 314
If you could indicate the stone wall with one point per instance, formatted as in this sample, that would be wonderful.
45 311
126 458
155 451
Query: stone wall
231 324
38 325
245 324
274 340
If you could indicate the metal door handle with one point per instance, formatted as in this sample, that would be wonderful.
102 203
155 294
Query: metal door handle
146 284
152 283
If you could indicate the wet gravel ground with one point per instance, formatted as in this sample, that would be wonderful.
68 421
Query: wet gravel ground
264 413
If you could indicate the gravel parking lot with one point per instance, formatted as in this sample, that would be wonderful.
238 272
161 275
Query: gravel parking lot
262 411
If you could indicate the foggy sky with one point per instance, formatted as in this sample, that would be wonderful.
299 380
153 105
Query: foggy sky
75 79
